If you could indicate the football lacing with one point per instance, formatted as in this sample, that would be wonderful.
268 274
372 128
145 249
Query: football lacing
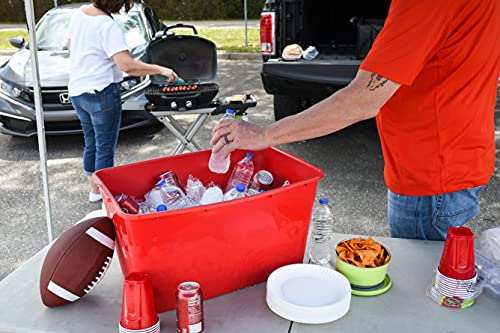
99 276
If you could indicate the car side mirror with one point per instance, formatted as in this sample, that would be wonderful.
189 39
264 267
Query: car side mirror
138 50
158 34
17 42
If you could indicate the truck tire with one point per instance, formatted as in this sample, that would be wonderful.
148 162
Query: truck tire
285 105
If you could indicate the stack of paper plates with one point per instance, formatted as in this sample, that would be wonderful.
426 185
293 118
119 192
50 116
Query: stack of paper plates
308 294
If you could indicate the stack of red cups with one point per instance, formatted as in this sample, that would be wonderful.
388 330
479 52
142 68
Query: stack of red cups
455 282
138 305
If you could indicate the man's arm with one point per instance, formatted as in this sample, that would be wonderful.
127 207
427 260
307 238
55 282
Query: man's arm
360 100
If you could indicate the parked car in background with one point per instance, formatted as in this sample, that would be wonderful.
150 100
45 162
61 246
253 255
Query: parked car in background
342 32
17 111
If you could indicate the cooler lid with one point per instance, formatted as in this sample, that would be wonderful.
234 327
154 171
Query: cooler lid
192 57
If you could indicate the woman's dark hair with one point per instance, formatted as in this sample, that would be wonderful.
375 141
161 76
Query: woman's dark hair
113 6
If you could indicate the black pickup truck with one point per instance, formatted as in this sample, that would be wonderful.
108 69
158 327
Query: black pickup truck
342 32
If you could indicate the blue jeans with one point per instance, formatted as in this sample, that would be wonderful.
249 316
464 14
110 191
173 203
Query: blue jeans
429 217
100 115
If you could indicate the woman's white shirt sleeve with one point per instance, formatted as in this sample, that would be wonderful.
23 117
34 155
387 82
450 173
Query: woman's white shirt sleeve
113 39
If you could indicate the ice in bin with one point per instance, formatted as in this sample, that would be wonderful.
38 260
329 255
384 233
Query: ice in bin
224 246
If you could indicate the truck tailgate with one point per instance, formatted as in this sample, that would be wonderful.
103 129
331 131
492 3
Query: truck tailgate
322 70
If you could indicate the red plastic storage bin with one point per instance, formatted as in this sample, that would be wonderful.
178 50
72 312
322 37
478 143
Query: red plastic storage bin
225 246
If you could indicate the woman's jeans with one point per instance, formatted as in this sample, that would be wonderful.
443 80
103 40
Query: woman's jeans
429 217
100 114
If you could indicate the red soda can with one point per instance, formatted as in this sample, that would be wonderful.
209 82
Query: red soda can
171 179
262 180
189 308
127 204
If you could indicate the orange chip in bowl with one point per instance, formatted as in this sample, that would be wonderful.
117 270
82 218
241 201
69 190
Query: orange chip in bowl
363 252
363 262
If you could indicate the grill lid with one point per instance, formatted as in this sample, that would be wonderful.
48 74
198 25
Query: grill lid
193 58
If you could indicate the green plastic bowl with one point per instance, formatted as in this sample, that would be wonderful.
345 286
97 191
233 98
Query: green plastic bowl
362 276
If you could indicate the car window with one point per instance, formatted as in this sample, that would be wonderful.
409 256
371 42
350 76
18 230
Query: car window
153 19
135 31
52 32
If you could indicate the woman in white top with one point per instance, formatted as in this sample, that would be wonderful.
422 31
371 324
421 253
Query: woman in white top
98 58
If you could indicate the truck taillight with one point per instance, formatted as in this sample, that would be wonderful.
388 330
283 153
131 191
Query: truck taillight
267 41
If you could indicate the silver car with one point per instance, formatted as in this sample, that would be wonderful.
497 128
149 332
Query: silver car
17 111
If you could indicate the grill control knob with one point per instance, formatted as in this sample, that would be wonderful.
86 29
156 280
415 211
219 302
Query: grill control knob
173 105
189 104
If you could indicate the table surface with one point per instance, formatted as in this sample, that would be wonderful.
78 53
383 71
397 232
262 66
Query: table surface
405 307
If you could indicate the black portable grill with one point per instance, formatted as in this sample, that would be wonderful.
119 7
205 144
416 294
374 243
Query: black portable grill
194 59
183 97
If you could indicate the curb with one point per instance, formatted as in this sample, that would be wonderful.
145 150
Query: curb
221 55
251 56
7 52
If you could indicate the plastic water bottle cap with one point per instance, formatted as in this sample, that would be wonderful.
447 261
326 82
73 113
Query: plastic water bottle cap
323 201
161 208
240 187
161 183
230 111
250 155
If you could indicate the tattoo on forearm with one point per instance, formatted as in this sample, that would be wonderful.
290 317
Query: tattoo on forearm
376 81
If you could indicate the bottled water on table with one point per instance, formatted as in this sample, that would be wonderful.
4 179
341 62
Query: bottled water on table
172 196
322 222
242 173
217 163
235 193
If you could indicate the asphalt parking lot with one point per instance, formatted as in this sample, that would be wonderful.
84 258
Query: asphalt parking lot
351 159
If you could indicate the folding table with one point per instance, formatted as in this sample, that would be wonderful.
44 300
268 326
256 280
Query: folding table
403 308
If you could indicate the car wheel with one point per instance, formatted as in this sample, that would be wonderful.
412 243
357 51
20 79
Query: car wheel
285 105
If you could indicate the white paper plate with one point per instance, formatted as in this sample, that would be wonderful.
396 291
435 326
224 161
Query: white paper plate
308 294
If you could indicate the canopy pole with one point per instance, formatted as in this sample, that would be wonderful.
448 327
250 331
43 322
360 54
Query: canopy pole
246 22
33 47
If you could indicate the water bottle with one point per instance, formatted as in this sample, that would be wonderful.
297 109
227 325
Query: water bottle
310 53
172 196
242 173
217 163
212 195
235 193
145 208
322 222
154 198
161 208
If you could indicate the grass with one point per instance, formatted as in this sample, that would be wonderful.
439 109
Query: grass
5 35
232 39
226 39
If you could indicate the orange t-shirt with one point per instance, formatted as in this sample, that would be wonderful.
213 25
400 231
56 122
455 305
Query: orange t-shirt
437 130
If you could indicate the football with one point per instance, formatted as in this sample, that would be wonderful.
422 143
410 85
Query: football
77 261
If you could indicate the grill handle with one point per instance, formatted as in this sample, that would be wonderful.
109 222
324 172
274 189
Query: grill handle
179 25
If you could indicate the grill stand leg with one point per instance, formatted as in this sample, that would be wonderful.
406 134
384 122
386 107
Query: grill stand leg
184 136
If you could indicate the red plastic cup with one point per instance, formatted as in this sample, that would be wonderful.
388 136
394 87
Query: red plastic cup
138 304
457 260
